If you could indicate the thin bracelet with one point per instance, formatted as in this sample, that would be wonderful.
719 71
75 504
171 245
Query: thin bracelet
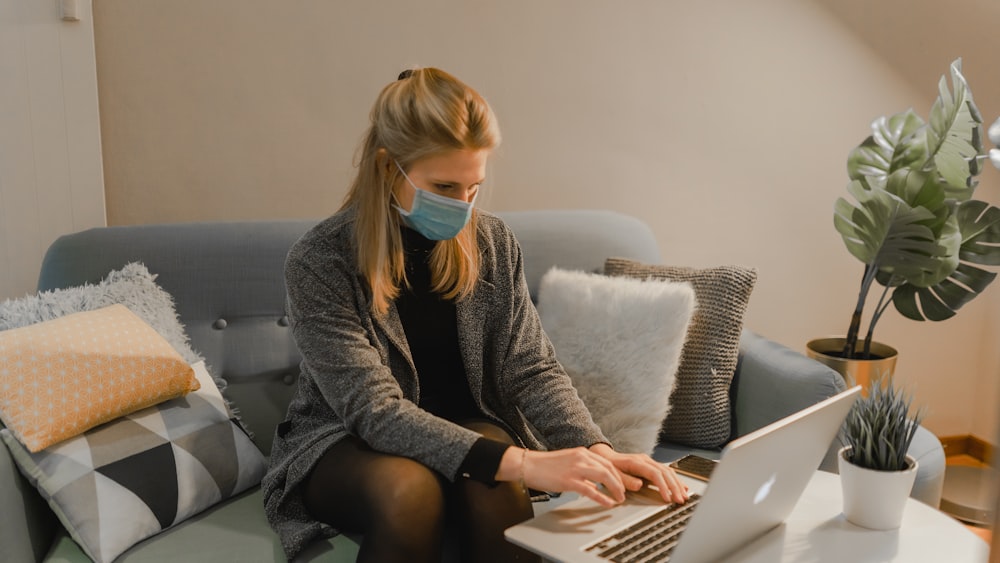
524 455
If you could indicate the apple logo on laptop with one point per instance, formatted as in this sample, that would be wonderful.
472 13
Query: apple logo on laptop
765 489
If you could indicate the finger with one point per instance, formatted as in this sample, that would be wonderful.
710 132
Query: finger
594 493
632 483
633 480
641 467
671 488
601 470
613 486
674 489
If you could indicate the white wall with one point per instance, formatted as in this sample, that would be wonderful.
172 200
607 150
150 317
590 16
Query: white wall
51 176
725 124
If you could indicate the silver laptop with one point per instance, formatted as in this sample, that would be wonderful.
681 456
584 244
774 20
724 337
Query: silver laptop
755 486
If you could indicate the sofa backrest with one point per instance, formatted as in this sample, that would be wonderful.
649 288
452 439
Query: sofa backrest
227 282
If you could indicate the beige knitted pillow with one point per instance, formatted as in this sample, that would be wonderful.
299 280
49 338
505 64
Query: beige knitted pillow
700 406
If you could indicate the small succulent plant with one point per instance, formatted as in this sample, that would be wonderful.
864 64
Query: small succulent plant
879 427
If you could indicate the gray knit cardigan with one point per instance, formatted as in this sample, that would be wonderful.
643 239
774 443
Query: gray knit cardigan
358 377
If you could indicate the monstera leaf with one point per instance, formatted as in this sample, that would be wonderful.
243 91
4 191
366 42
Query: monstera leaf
955 135
888 234
979 226
896 142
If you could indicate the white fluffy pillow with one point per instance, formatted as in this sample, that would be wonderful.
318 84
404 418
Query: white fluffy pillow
620 340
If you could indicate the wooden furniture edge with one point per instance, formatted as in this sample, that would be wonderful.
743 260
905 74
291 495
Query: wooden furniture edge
969 445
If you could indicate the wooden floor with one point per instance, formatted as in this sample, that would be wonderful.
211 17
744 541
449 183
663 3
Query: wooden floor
964 459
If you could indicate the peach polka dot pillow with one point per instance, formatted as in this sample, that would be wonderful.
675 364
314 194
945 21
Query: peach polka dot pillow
62 377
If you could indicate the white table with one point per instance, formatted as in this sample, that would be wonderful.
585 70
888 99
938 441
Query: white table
817 531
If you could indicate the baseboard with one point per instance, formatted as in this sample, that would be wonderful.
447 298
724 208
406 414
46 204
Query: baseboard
969 445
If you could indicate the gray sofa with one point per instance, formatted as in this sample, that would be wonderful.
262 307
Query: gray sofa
226 280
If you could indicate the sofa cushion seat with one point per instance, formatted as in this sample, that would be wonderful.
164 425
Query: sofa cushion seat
234 530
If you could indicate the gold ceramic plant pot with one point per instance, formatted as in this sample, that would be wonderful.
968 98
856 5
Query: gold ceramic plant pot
829 351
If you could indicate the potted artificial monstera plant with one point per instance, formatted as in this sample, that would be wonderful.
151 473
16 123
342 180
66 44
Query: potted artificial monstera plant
914 224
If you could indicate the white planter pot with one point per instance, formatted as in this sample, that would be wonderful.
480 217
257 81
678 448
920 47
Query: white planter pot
875 499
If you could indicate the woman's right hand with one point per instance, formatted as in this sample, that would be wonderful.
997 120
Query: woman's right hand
575 469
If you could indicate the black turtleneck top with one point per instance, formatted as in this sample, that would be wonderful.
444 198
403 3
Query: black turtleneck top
431 326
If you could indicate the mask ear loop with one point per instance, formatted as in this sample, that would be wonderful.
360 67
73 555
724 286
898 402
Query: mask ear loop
393 201
405 177
392 194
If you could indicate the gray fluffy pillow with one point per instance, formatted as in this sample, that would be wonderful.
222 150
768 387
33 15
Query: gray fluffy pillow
133 286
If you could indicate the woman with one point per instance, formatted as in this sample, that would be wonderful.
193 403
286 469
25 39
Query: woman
424 361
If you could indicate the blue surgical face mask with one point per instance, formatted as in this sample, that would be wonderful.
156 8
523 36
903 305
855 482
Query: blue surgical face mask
434 216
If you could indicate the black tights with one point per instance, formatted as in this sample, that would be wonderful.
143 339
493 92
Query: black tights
402 507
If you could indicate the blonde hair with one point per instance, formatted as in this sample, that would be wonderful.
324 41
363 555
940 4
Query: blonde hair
427 112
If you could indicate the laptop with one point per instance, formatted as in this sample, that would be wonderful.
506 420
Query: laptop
752 490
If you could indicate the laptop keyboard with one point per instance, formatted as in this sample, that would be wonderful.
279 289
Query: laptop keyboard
650 539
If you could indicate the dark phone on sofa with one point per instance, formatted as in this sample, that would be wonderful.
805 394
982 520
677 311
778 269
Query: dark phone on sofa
694 466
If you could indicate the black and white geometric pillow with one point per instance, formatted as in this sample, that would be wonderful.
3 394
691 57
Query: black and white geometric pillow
122 482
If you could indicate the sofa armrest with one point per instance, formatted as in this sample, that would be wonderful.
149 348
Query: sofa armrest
773 381
27 525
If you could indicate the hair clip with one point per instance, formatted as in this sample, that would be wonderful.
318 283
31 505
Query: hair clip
405 74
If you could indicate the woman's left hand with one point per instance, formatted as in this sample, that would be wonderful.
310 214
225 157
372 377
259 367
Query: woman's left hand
636 467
